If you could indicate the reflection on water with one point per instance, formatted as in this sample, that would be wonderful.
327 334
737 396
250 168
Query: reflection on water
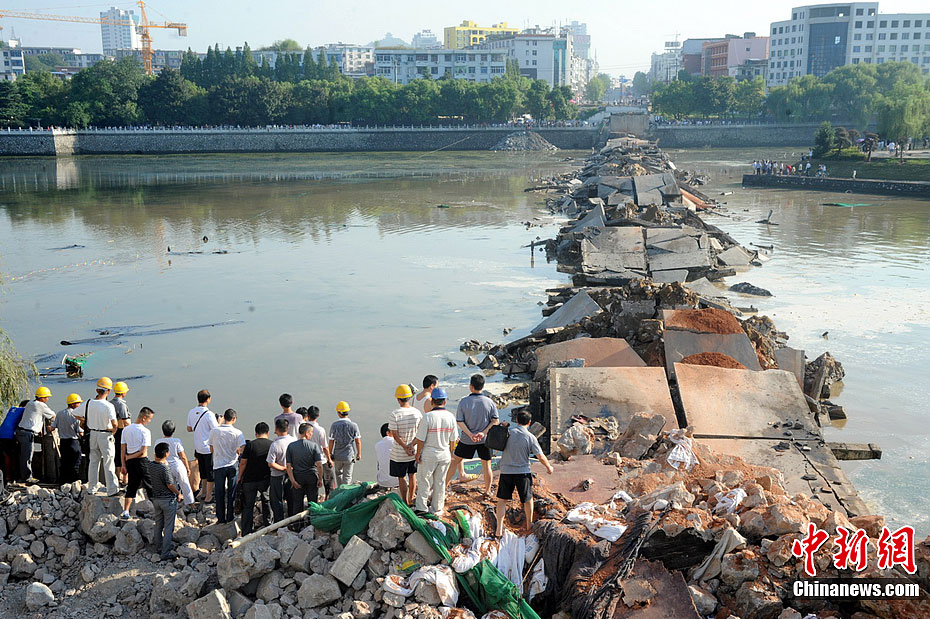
863 276
347 276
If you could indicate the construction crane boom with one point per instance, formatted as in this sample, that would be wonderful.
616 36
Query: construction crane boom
143 27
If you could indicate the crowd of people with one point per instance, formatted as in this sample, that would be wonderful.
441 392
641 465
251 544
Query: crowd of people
781 168
423 447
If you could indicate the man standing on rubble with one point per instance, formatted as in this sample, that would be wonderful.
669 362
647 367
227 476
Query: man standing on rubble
36 415
68 422
277 462
201 421
226 444
255 476
123 419
319 437
515 471
434 454
100 417
134 449
304 460
475 415
403 423
293 419
345 444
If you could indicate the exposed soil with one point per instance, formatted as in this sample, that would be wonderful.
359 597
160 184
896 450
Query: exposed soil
710 320
716 359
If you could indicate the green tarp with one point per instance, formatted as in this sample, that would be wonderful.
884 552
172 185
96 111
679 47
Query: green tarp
487 587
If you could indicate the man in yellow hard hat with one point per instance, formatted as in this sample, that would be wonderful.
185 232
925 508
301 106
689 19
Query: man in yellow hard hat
100 417
123 419
345 445
36 416
403 423
68 423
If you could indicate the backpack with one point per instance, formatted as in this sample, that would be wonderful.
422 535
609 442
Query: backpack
498 436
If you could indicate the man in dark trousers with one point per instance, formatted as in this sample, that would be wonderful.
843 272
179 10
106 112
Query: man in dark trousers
515 471
304 468
255 476
68 423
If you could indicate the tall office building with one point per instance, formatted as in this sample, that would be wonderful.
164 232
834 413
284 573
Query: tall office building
819 38
121 32
543 54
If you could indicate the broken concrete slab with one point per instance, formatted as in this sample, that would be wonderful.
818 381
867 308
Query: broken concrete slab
855 451
594 219
640 435
681 344
597 352
741 403
579 306
736 256
211 606
791 360
670 276
653 188
656 236
704 287
695 258
597 392
568 479
351 560
614 249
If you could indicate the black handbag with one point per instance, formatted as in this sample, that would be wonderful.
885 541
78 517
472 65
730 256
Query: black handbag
498 436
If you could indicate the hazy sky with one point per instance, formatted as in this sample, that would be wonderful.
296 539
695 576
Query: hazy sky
623 33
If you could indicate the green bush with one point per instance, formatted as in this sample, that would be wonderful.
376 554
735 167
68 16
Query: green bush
846 154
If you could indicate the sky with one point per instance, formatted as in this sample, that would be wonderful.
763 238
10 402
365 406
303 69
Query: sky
623 34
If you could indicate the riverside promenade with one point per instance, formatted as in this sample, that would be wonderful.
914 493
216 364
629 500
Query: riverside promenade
840 185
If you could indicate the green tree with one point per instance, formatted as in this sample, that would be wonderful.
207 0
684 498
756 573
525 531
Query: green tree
43 62
43 94
284 45
596 88
309 68
15 373
312 103
191 67
170 99
749 97
245 65
562 107
640 84
12 109
824 139
778 104
854 92
512 69
904 113
249 101
109 92
537 101
674 99
841 139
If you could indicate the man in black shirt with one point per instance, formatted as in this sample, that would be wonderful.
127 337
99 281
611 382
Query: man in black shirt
165 497
254 475
304 460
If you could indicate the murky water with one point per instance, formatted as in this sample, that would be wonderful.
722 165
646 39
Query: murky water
346 275
348 279
862 275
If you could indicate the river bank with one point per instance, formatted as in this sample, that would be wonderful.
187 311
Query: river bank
919 189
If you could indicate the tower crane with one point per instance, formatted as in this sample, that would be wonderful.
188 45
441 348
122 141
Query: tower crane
142 27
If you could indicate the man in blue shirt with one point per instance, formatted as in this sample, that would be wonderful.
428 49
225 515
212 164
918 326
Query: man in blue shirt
515 471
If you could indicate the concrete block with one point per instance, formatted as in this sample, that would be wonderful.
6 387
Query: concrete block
211 606
351 560
415 542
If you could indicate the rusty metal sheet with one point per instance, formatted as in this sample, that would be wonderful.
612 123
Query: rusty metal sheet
598 392
579 306
826 480
567 478
597 352
681 344
792 360
671 601
742 403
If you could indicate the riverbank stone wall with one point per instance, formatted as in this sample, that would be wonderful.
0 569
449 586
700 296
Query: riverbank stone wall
839 185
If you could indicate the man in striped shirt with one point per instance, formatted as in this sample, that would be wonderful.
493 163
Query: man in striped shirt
403 424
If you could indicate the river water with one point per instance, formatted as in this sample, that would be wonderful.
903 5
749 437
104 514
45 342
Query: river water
345 278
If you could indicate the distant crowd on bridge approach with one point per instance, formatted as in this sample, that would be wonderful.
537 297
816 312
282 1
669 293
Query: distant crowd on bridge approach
422 447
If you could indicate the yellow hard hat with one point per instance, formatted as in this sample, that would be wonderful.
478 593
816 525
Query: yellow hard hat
104 383
342 407
403 391
74 399
43 392
121 388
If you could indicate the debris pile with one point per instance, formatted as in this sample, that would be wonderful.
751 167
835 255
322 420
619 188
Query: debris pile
524 141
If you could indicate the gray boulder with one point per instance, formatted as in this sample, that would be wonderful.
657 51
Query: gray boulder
318 590
38 595
128 541
237 566
388 528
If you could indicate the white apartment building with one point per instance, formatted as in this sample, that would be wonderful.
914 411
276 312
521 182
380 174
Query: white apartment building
403 66
542 55
353 60
822 37
120 35
12 64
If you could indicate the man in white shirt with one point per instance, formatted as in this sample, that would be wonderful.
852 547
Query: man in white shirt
383 451
136 440
434 454
100 417
177 461
226 444
201 421
319 437
403 424
36 416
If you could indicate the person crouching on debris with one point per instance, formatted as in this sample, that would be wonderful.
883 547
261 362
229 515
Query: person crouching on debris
136 441
515 471
345 445
165 497
434 454
68 423
403 423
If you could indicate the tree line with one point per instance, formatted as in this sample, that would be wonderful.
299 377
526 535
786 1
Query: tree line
894 95
230 88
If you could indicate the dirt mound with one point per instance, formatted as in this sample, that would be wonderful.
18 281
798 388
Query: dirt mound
524 141
708 320
716 359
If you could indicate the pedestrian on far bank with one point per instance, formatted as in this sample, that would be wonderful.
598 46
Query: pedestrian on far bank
277 462
36 416
100 418
515 473
123 419
136 440
434 454
177 461
68 422
293 419
255 476
345 445
403 423
475 415
422 401
165 497
226 444
383 452
201 421
304 461
319 437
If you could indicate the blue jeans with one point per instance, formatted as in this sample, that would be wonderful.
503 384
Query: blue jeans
165 512
225 488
